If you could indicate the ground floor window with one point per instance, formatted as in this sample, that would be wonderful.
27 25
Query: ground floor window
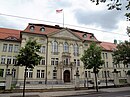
54 74
40 73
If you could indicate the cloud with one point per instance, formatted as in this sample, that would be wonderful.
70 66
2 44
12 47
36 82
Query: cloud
104 19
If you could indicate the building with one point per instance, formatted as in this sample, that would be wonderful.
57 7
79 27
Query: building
61 50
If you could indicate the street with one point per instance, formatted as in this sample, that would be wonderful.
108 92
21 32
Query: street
104 94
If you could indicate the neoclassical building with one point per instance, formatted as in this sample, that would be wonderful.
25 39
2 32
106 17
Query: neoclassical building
61 50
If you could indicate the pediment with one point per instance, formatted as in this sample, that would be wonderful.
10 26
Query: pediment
65 34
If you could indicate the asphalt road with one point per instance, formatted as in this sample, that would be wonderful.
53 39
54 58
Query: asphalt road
105 94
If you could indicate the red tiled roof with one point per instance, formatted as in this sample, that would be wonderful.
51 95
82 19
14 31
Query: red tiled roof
88 36
48 29
52 29
108 46
5 33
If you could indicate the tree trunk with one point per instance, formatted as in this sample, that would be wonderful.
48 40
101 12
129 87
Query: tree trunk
96 82
24 81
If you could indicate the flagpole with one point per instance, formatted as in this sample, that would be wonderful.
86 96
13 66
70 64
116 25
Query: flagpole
63 18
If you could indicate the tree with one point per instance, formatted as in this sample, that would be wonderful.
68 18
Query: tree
115 4
122 53
28 57
92 60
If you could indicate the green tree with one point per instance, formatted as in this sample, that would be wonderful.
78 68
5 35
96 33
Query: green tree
28 57
115 4
92 60
122 53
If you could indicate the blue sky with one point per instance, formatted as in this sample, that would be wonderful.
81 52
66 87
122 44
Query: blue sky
91 18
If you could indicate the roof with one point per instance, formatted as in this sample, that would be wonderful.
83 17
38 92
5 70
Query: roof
53 29
108 46
6 33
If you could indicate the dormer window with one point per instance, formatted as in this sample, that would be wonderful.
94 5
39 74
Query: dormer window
32 28
92 36
42 29
85 35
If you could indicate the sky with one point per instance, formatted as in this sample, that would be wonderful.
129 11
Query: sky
82 15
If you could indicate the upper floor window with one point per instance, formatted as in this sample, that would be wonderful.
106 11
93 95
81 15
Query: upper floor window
14 60
16 48
54 61
76 50
77 62
9 60
42 61
66 61
3 59
66 47
42 49
10 48
54 46
4 47
106 56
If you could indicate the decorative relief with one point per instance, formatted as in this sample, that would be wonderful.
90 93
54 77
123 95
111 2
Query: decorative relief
11 38
66 34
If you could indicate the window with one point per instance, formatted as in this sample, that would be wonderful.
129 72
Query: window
54 61
29 73
66 61
9 60
66 47
14 60
76 50
40 73
16 48
42 29
119 73
14 72
86 74
77 62
32 28
1 72
10 48
103 55
108 74
7 71
54 74
106 64
4 47
89 74
106 56
42 49
54 46
43 61
3 58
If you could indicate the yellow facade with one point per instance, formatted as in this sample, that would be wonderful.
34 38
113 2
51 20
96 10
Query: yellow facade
59 63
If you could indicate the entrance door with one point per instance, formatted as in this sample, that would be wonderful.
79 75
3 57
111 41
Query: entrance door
66 76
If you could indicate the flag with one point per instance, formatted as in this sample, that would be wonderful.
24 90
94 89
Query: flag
59 11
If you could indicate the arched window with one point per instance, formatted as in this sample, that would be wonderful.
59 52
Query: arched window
54 46
66 47
76 49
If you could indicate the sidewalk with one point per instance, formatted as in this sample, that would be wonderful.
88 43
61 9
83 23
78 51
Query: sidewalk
66 93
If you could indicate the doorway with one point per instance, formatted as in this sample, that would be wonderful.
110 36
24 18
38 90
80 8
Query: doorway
66 76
